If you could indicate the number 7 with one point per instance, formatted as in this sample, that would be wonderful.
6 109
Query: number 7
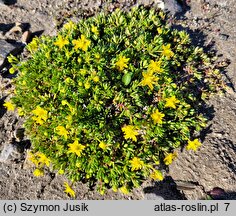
227 205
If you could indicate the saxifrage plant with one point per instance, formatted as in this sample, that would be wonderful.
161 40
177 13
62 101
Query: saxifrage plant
112 96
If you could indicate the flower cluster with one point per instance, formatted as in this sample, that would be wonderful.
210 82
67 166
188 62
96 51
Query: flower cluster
39 160
40 115
111 97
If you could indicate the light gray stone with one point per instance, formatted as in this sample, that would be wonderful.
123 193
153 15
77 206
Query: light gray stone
158 3
9 151
172 6
152 196
2 5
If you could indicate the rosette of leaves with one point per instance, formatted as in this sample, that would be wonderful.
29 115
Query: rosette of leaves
109 98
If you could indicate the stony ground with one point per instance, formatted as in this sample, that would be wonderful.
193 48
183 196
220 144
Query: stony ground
210 23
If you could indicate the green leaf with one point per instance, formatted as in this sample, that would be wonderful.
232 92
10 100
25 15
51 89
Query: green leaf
126 78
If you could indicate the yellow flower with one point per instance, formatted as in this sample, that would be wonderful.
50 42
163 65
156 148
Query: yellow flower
136 164
149 79
69 190
157 117
9 106
62 131
122 63
69 26
97 56
76 148
130 132
87 85
157 175
166 51
64 102
155 66
83 72
114 188
61 172
68 81
102 192
33 45
43 159
31 157
79 60
61 42
12 70
62 89
96 79
94 29
124 190
159 30
78 165
68 53
41 113
102 145
38 120
72 109
38 172
20 111
81 43
47 54
87 58
69 118
169 158
171 102
193 145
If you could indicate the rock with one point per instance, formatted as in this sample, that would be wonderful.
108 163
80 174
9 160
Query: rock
9 151
5 50
25 37
184 185
158 3
152 196
144 2
172 6
15 32
16 28
27 163
19 134
2 4
6 152
224 37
